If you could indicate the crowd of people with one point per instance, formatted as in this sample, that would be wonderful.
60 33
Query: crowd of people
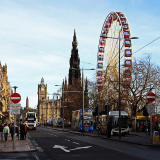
19 130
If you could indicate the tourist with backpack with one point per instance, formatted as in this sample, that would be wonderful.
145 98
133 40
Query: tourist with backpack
6 131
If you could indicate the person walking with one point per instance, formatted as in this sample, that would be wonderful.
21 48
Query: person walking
12 130
22 131
109 127
17 131
25 131
1 131
6 132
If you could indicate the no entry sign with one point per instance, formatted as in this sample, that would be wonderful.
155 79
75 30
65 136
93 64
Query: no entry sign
15 97
151 97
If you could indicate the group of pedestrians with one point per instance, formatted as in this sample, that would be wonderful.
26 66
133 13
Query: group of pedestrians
19 130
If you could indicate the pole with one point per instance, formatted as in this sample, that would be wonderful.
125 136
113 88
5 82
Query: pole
119 90
151 129
63 108
14 140
83 103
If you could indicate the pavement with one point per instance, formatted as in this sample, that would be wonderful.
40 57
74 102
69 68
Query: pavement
20 146
139 138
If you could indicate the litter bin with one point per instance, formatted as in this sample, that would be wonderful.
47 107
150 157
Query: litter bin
155 137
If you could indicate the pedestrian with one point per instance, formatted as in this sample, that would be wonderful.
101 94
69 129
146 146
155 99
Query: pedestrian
25 131
109 127
12 130
6 131
149 127
159 128
1 131
17 131
22 131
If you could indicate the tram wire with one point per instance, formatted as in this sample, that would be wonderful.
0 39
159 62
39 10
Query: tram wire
147 44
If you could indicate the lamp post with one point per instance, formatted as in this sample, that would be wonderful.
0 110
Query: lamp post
62 105
119 78
14 140
89 69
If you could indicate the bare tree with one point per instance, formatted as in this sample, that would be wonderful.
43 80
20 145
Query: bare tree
145 77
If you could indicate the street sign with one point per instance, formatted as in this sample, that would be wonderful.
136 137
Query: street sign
15 108
151 109
15 97
151 97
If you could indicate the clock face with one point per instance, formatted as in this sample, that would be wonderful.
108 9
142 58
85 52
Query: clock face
42 89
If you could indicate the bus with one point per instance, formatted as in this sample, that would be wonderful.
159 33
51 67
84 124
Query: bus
31 120
114 117
87 120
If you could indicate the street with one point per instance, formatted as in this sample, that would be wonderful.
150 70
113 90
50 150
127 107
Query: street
53 144
59 145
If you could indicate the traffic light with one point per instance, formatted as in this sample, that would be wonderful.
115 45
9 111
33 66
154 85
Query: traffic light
155 118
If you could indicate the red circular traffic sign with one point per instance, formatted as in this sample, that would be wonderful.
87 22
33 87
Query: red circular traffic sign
15 97
151 96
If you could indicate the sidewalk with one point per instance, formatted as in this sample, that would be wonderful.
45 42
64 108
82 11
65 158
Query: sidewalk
20 146
139 138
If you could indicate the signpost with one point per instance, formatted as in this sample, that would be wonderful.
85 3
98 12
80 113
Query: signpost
151 97
15 109
15 98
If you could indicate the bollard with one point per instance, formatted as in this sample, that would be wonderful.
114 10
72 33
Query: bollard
155 137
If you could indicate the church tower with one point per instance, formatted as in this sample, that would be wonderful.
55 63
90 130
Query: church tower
27 104
42 91
42 98
74 70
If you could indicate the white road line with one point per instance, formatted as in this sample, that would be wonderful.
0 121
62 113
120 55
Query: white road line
61 147
80 148
75 143
36 157
67 140
64 148
39 149
52 134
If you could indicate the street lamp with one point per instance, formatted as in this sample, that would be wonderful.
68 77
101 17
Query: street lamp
119 78
88 69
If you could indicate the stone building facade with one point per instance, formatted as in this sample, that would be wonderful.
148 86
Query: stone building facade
5 92
48 109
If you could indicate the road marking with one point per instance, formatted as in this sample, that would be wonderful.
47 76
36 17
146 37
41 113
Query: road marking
63 148
37 146
52 134
36 157
39 149
75 142
68 140
80 148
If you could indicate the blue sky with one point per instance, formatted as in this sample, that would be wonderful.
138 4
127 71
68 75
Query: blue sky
36 37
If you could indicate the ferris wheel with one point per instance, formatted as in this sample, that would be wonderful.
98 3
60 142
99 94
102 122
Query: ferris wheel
114 49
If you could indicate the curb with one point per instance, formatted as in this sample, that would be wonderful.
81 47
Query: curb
29 151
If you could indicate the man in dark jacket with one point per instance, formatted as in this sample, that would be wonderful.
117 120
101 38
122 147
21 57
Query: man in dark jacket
22 132
1 131
12 130
109 127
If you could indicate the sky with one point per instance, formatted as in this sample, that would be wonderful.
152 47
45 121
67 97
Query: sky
36 38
